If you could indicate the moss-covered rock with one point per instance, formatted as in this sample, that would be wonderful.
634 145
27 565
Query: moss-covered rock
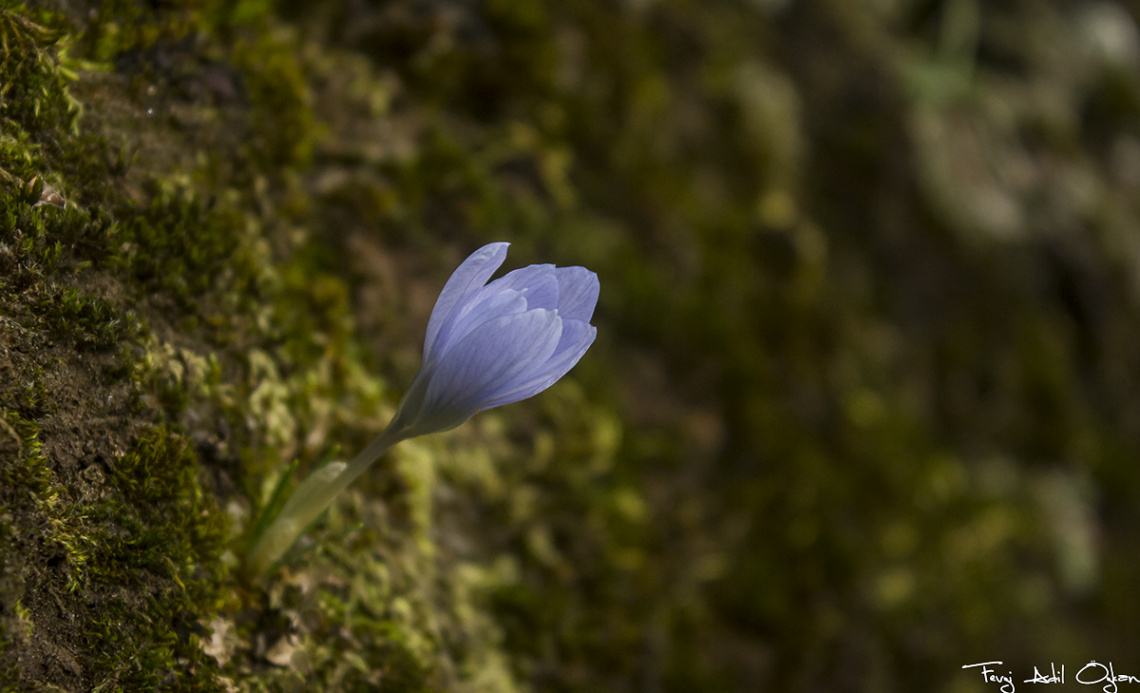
862 408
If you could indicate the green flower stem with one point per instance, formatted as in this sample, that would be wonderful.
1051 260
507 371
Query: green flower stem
315 495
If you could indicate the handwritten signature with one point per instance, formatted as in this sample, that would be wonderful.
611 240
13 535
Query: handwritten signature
1092 674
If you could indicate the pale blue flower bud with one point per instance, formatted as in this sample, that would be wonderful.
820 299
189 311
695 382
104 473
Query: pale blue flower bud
493 344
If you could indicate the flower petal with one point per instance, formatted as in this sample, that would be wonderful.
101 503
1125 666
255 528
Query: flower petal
468 278
489 359
578 290
489 303
527 288
577 336
537 282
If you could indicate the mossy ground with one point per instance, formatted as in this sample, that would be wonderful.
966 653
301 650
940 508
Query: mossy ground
862 409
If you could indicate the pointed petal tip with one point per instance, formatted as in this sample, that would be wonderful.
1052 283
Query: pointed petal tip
467 279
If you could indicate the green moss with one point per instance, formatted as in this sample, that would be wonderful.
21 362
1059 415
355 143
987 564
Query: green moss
29 472
93 323
35 92
161 535
158 536
281 119
178 246
27 482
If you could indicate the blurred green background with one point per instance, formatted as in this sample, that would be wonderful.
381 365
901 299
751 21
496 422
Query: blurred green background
863 408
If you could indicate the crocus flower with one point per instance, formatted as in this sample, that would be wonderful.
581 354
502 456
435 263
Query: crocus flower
493 344
486 345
